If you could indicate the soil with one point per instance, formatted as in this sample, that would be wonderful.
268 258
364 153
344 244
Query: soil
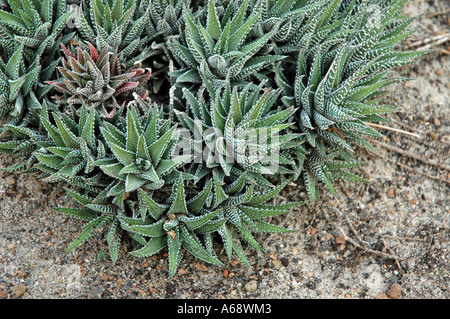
385 239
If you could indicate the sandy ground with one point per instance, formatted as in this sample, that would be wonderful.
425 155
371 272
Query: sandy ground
397 226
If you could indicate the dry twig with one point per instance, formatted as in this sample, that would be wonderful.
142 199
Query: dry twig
418 172
428 43
386 247
443 51
361 244
407 127
411 155
437 14
391 129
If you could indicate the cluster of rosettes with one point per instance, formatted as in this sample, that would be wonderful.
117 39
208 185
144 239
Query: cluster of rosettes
178 122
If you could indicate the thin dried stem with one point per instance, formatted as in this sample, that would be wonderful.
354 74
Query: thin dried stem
362 245
425 44
436 14
418 172
392 129
411 155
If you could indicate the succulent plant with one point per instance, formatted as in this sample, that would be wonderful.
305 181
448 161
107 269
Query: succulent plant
233 214
117 25
142 153
217 49
34 24
184 220
238 131
336 89
22 142
97 80
286 17
73 147
99 216
178 122
298 24
165 19
137 28
16 88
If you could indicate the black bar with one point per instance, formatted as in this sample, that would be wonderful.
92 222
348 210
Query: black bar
223 308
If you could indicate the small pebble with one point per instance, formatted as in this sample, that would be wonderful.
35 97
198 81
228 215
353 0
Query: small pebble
128 285
19 290
276 264
381 295
10 181
395 291
251 286
95 293
390 193
201 266
3 294
433 136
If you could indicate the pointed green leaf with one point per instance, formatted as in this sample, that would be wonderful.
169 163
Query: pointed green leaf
192 244
82 213
179 201
174 245
70 140
133 182
152 230
13 65
198 202
155 210
153 246
192 223
157 149
264 227
213 25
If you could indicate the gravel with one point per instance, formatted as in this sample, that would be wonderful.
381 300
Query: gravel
404 212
